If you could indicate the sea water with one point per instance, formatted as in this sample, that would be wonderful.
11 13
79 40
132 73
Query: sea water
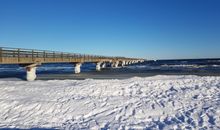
206 67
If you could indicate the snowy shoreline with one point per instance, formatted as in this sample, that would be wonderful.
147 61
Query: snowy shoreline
160 102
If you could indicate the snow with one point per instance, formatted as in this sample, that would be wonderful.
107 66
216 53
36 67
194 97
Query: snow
159 102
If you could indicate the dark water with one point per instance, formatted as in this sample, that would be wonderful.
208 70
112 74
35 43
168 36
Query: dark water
202 67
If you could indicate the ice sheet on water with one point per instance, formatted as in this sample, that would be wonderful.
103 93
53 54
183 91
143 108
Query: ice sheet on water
180 67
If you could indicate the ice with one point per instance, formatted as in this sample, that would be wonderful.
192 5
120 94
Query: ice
172 67
159 102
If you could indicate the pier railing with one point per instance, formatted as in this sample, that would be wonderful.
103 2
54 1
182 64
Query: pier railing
23 56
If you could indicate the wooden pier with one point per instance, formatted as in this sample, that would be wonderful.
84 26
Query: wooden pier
31 58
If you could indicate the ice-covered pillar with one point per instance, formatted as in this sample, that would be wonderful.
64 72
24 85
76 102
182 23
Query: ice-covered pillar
123 63
112 64
103 65
77 68
98 66
126 62
116 64
31 73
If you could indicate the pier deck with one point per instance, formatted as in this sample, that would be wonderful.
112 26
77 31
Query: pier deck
31 58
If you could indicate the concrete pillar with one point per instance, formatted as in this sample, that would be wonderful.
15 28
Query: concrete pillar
116 64
123 63
98 66
112 64
103 65
31 73
77 68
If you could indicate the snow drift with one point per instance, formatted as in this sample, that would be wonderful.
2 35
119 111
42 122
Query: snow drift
160 102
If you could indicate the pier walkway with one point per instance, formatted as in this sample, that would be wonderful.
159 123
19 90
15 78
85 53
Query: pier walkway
31 58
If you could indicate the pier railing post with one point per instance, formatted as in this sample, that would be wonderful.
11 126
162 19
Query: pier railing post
0 54
53 56
44 56
37 54
32 55
68 56
62 56
18 52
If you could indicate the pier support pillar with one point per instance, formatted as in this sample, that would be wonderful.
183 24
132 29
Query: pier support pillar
116 64
98 66
103 65
123 63
112 64
31 72
126 62
77 68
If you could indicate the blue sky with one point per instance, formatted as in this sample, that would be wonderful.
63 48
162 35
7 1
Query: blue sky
151 29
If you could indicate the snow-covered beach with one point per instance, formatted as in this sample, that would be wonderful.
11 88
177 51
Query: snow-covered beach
159 102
